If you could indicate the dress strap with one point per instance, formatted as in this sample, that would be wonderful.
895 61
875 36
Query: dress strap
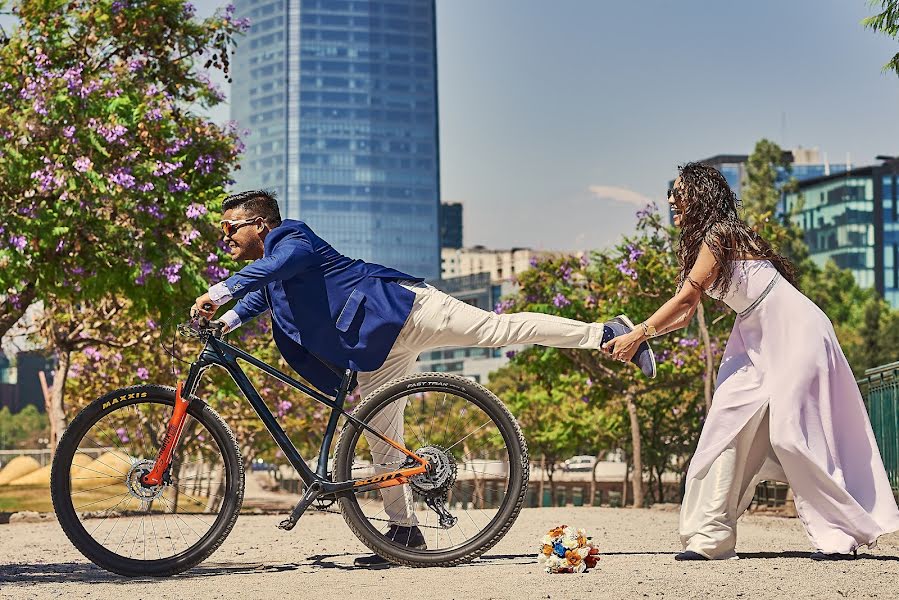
761 297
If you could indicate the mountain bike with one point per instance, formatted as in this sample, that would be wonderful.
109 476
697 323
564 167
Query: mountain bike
148 480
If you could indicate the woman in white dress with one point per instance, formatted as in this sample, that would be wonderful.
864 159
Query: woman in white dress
786 405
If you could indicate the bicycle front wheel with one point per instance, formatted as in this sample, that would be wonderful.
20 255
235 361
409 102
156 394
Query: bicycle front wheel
476 480
125 526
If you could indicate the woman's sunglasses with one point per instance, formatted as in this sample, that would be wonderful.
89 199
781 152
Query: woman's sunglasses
229 227
672 192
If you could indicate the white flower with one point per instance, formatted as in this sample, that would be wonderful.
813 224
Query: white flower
547 540
582 567
583 552
569 542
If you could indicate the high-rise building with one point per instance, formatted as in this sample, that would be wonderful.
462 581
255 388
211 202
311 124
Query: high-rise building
340 98
451 225
852 219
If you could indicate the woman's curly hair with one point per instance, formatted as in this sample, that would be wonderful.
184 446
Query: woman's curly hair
710 216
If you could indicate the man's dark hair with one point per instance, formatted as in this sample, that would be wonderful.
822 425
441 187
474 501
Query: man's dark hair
259 203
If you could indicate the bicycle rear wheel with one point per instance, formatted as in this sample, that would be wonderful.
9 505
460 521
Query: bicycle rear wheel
478 475
129 528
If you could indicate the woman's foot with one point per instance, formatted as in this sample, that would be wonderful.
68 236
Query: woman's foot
689 555
818 555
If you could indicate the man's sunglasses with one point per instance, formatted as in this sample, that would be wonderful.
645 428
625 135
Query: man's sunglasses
229 227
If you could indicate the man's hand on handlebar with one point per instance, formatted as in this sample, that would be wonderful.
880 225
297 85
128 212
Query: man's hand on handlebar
204 307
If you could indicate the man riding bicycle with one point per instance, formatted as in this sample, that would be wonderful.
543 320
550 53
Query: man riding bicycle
366 317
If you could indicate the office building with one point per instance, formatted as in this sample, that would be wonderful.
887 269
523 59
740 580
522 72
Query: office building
340 98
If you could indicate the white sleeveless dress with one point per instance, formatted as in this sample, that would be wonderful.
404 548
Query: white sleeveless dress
786 408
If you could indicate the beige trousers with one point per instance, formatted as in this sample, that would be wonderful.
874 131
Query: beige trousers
438 320
712 504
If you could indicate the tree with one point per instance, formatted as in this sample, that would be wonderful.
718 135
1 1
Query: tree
22 429
554 413
886 22
635 277
109 165
760 197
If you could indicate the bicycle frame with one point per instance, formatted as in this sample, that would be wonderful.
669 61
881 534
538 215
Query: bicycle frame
220 353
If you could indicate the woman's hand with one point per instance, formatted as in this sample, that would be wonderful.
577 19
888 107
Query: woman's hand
624 346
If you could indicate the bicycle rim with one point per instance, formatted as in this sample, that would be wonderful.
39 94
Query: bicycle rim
130 528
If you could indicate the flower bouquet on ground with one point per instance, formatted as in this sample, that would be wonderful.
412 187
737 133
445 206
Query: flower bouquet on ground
567 550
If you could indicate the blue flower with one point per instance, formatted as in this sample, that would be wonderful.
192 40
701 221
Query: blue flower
559 549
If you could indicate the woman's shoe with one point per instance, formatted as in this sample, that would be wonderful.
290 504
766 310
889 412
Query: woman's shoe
818 555
689 555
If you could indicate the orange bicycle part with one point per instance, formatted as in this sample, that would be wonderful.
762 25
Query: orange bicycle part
172 435
398 477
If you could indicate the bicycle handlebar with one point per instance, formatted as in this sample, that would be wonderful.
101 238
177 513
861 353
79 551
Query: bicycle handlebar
201 327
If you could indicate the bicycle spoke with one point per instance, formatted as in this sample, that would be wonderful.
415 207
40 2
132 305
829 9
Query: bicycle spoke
475 457
101 500
470 434
122 444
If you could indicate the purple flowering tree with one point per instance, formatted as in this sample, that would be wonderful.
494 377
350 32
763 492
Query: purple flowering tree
108 162
656 421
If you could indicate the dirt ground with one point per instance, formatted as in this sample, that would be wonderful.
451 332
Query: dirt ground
315 560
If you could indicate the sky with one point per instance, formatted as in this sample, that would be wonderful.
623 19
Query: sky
559 119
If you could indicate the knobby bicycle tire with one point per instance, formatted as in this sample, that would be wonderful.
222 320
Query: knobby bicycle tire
61 493
512 503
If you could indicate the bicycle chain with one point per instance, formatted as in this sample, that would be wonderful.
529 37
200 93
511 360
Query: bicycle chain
337 512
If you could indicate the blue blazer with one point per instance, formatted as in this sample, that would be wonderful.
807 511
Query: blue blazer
348 312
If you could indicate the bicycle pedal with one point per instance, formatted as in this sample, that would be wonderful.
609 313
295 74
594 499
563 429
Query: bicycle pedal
287 524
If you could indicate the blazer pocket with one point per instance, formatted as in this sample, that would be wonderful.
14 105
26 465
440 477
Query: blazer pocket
346 316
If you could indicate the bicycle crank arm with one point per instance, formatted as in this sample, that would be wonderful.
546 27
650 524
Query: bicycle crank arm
309 496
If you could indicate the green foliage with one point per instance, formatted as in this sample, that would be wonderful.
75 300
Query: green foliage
108 166
886 22
572 400
22 429
760 197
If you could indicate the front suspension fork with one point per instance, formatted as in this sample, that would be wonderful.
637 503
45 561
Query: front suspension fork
172 435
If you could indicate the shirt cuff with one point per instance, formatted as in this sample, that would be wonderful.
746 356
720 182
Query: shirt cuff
231 320
219 293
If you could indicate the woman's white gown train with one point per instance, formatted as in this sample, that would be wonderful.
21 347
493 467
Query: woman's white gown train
786 408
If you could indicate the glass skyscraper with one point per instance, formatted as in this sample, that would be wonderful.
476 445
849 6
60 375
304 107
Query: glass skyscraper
852 219
340 98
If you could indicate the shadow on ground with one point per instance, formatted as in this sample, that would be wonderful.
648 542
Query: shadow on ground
68 572
89 573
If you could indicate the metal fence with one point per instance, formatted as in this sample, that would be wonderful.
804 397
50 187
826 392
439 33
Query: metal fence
43 456
880 389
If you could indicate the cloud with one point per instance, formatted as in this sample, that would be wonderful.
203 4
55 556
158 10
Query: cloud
619 194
